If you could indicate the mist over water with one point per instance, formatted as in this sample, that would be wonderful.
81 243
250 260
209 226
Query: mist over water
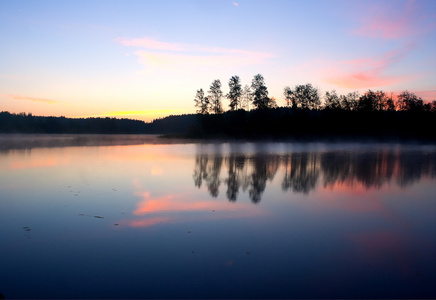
134 217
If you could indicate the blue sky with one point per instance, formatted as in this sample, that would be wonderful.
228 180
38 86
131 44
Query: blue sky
146 59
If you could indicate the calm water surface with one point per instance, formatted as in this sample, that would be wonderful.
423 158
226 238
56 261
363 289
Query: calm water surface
218 220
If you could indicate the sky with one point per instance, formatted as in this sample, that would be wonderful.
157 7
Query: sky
146 59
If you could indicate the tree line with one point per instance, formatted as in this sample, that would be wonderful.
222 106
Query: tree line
303 96
28 123
253 114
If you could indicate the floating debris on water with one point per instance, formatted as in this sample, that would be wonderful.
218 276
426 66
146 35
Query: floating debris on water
189 231
116 224
27 231
98 217
248 252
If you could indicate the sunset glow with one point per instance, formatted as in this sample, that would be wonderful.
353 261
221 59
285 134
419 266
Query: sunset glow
146 59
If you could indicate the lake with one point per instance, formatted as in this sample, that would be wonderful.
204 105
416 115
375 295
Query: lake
142 217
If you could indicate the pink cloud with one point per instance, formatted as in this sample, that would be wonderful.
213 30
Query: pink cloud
151 44
397 22
17 97
164 54
428 95
366 72
172 60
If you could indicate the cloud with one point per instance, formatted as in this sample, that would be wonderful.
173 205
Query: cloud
396 21
235 4
17 97
174 60
428 95
151 44
173 55
366 72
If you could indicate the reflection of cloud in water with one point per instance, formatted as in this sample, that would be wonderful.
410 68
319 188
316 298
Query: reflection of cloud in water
149 221
172 208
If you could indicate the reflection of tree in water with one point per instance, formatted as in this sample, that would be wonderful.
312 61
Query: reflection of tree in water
371 169
200 170
208 170
301 172
235 165
213 179
375 169
414 165
248 174
264 168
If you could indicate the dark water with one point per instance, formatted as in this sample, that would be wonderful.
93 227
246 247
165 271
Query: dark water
239 220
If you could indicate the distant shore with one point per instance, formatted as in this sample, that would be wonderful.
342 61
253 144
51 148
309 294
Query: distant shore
276 124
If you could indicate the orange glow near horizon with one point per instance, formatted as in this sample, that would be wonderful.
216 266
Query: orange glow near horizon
144 115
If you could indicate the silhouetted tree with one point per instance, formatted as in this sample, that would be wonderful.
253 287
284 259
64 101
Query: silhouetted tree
409 101
287 92
235 92
272 103
260 92
215 95
389 103
247 98
201 102
350 101
332 100
430 106
303 96
368 101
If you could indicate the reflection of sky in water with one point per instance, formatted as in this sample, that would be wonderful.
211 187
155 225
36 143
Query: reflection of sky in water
218 220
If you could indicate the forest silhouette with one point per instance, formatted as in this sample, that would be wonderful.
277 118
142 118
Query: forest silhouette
374 114
303 172
253 114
